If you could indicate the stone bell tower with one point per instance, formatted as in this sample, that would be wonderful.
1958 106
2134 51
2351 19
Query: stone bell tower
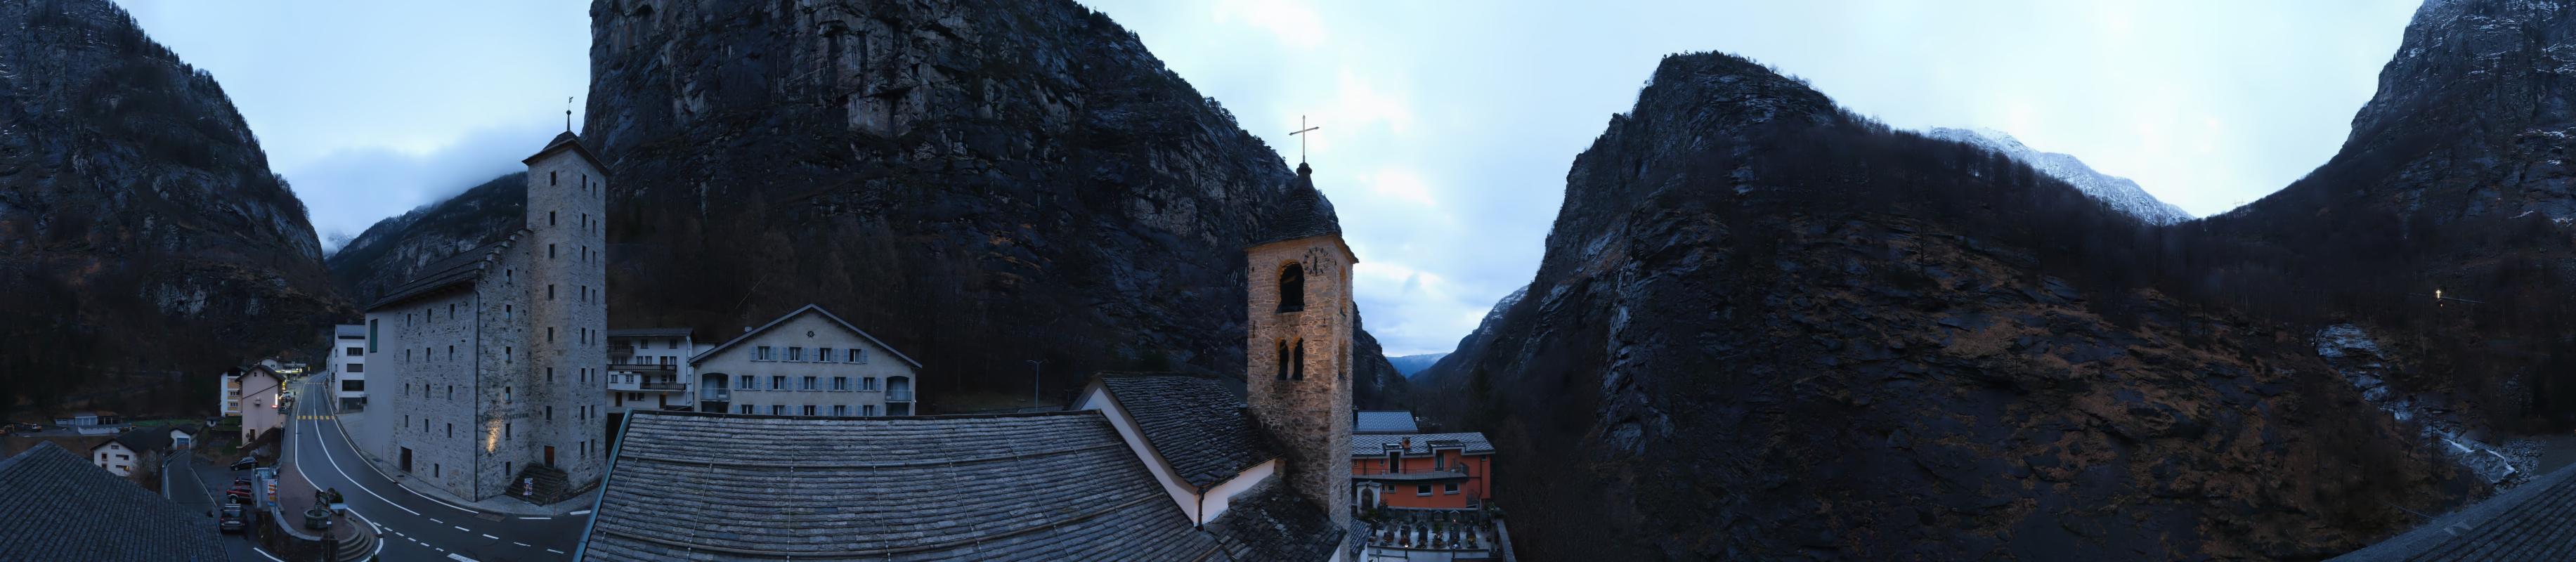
1298 343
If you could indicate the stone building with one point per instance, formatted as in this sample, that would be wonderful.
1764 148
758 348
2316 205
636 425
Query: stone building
1142 466
489 364
348 366
807 363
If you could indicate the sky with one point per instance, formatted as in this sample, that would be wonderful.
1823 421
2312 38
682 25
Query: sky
1447 126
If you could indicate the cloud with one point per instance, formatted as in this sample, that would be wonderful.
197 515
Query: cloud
349 190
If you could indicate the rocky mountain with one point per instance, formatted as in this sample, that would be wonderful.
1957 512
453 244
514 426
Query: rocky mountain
140 226
980 183
2120 192
1410 364
1767 328
392 250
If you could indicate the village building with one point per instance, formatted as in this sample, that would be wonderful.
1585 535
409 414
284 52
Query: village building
92 423
488 365
648 368
257 389
806 363
1423 470
348 366
61 508
132 451
1384 422
1141 467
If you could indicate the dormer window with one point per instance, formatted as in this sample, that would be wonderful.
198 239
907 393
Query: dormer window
1292 288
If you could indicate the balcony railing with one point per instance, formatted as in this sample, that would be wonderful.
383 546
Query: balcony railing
899 396
663 386
715 394
642 368
621 350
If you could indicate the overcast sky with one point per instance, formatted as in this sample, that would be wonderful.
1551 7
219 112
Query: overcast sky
1447 126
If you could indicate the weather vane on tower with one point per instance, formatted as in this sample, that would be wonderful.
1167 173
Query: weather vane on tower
567 114
1301 137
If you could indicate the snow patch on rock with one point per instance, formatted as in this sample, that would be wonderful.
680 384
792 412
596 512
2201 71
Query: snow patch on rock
2119 192
2362 362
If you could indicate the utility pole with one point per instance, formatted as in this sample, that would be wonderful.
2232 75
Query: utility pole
1033 381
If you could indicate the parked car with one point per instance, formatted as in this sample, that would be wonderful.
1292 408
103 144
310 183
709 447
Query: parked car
246 463
237 493
234 520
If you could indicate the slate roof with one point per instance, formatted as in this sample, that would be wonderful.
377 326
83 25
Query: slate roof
872 338
568 141
146 439
1375 444
60 507
349 331
1305 213
1197 426
1384 421
1046 486
462 268
2536 521
1274 523
648 332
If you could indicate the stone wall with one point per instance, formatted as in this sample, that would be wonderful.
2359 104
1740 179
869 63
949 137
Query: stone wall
1311 417
429 343
565 289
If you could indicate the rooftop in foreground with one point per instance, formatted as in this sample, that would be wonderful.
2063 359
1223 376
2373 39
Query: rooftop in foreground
2536 521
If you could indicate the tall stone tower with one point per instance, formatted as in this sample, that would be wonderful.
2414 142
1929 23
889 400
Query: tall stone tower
566 292
1298 343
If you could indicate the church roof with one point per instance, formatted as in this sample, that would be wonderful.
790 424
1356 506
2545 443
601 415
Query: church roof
1384 421
1193 422
463 268
1303 213
61 507
1274 523
1044 486
568 141
711 352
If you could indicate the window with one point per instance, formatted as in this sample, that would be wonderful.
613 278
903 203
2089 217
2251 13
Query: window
451 392
824 356
550 374
550 251
550 334
840 383
778 382
1297 370
1449 488
1283 360
359 385
747 385
809 385
550 413
809 409
858 356
777 410
868 383
433 469
761 354
357 368
746 408
451 430
406 417
1439 462
796 354
372 325
451 353
550 291
505 395
357 352
1292 288
507 313
550 178
617 399
1422 490
505 433
509 354
868 410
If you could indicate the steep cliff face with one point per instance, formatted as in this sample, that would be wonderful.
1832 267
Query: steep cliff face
1766 328
140 227
2455 180
979 182
393 250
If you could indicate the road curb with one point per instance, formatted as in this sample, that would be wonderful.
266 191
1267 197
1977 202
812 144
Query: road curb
398 483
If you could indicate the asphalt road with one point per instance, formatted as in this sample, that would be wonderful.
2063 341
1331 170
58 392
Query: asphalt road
414 526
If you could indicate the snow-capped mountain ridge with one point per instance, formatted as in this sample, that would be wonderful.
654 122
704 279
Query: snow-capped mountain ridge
2120 192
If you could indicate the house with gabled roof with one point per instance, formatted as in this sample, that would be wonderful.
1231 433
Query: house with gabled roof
808 362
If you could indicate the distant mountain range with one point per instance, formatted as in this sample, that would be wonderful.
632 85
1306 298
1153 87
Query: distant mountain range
1411 364
2118 191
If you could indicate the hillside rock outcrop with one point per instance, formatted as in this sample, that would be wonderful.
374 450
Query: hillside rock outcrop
140 226
1766 328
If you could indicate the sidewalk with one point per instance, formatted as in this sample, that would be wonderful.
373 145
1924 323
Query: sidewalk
499 504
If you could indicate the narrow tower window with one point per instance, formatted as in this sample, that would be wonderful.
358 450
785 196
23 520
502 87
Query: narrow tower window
1283 359
1297 370
1292 288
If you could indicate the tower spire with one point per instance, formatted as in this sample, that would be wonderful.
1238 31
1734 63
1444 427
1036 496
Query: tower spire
567 114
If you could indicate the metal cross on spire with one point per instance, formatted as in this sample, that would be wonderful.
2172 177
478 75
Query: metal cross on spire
1301 140
567 114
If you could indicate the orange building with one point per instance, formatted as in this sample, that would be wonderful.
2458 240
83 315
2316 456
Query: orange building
1422 470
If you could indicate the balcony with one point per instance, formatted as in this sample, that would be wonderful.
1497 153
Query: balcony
621 351
662 386
715 395
1451 473
904 395
643 368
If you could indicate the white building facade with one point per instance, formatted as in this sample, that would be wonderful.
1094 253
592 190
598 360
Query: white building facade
807 363
348 366
648 369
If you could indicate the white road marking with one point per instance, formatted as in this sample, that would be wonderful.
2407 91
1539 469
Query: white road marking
435 520
464 529
536 518
491 537
582 512
460 558
353 445
270 556
344 474
523 544
547 550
